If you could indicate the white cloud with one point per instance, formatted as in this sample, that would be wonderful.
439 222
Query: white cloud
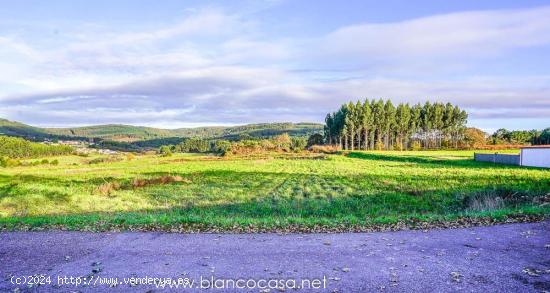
477 33
213 67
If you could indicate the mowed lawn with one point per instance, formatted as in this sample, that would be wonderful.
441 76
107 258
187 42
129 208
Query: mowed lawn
268 191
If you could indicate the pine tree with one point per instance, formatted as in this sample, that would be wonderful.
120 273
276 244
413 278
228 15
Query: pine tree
403 116
366 121
379 124
389 123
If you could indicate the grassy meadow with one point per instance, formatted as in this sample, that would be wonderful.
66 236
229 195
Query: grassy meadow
186 192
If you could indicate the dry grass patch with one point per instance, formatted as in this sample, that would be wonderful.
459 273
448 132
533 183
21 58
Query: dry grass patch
325 149
108 188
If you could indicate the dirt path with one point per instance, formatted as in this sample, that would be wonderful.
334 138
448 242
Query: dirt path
512 258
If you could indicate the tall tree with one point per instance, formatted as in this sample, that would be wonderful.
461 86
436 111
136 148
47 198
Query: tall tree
366 122
389 123
379 121
403 117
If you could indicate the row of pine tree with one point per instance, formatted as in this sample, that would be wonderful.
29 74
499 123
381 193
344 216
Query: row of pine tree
378 124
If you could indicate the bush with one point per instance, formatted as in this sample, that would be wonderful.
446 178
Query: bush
221 146
282 141
54 162
193 145
397 147
298 143
315 139
267 145
44 161
165 151
7 162
325 149
416 146
246 147
105 160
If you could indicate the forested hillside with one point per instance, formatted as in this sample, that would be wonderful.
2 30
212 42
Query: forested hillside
14 147
114 132
148 136
13 128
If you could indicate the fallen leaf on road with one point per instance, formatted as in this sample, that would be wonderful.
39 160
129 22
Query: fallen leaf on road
532 272
456 276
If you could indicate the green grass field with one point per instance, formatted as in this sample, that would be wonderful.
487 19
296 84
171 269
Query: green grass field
269 192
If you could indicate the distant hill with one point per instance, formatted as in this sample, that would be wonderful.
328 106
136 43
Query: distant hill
12 128
116 132
152 137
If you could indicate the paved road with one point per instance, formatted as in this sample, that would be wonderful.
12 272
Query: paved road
505 258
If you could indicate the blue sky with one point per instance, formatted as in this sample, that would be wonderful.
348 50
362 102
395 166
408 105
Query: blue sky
191 63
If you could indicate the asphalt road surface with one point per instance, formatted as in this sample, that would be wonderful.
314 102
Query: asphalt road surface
502 258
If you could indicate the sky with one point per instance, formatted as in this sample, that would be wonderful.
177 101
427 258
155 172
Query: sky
173 64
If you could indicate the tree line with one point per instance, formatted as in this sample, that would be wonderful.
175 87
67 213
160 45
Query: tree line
379 125
534 137
278 143
15 148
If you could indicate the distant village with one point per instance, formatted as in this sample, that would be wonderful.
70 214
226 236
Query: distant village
82 147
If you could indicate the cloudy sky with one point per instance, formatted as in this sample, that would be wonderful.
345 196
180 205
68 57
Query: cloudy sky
191 63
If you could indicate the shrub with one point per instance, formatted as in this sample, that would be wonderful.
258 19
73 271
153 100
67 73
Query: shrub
315 139
416 146
105 160
44 161
165 151
3 162
193 145
267 145
157 181
325 149
298 143
282 141
107 188
494 199
221 146
54 162
7 162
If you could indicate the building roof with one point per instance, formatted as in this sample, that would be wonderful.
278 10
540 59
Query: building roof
542 146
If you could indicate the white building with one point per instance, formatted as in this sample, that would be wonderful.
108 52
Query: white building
535 156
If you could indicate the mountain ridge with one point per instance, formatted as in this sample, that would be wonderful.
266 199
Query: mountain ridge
131 133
